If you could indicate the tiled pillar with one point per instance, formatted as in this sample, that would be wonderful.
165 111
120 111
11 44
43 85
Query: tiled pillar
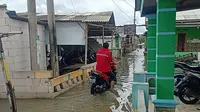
165 48
151 52
151 45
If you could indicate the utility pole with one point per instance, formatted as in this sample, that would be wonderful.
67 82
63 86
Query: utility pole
133 47
103 35
32 23
112 41
52 38
86 43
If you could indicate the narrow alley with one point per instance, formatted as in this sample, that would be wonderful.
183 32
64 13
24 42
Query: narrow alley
79 99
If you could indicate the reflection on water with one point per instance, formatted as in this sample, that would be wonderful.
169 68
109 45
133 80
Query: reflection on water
139 61
79 99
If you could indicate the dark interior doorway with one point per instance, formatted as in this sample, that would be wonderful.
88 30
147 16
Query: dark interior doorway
181 42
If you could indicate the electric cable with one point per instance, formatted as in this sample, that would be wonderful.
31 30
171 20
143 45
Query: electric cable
122 10
73 6
128 4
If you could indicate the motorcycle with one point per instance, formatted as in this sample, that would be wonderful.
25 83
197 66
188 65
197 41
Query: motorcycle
178 78
185 66
99 82
189 88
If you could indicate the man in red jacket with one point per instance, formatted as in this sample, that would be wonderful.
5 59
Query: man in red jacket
104 61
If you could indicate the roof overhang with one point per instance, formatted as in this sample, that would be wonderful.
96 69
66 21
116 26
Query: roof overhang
188 23
147 7
102 19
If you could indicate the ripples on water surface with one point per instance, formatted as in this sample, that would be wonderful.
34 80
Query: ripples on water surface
79 99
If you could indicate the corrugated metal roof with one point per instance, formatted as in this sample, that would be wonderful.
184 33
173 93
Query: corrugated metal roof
188 15
83 17
13 15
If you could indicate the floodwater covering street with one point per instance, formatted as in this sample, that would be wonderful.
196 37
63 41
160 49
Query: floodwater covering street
79 99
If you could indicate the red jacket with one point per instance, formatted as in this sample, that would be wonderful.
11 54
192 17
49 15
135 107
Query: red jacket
103 59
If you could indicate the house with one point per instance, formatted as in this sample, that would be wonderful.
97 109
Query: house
161 42
187 35
71 33
74 24
187 31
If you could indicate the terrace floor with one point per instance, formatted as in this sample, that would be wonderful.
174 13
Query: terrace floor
180 108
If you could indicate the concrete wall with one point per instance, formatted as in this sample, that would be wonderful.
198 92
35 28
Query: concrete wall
17 52
69 33
17 47
28 84
41 84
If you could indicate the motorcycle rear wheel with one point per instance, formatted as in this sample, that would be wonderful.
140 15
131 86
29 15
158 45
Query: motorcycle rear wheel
181 94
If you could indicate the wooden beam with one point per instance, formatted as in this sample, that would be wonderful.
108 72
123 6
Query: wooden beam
95 25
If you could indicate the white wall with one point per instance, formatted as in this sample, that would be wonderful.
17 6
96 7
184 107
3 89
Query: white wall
69 33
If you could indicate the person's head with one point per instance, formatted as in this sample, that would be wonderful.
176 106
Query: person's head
105 45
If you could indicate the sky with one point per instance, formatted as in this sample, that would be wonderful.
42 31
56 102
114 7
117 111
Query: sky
123 11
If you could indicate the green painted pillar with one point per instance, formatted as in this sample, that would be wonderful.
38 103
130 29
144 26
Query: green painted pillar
165 48
151 45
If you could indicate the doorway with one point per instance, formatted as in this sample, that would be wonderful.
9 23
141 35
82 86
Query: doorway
181 42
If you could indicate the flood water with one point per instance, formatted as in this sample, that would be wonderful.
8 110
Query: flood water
79 99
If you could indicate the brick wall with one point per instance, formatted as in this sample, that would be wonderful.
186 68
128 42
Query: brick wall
17 54
17 47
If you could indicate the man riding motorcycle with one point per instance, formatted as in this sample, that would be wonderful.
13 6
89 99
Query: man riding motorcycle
105 63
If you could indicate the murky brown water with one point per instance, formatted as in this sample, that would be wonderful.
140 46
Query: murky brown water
79 99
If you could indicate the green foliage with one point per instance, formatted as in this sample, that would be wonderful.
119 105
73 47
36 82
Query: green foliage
152 82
